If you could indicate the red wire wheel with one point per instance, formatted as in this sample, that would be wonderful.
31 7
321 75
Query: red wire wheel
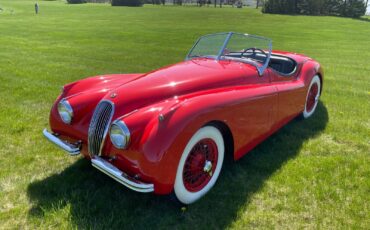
311 98
200 165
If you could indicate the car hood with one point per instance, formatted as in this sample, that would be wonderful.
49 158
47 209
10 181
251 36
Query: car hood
177 80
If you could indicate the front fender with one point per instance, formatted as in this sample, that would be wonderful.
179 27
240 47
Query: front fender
159 133
166 139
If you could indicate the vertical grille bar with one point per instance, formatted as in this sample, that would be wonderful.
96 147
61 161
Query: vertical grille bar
99 126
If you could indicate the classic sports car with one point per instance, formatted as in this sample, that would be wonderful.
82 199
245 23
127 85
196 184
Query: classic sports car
167 131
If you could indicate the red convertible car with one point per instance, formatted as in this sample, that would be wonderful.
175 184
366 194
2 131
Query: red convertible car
168 131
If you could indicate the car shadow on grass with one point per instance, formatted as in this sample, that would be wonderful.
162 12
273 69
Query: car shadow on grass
94 200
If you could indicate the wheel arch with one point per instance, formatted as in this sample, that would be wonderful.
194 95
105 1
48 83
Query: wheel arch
319 71
226 135
321 80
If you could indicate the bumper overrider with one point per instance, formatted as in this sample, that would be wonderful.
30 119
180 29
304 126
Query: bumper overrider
104 166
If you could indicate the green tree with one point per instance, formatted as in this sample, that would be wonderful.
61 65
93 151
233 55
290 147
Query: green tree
346 8
311 7
332 7
279 7
353 8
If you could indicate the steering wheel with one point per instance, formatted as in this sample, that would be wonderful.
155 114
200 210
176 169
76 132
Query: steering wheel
254 51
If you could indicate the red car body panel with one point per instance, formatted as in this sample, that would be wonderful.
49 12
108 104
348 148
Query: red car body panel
188 95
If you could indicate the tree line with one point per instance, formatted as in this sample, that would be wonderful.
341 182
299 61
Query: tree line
216 3
346 8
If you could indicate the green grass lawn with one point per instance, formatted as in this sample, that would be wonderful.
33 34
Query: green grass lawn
311 174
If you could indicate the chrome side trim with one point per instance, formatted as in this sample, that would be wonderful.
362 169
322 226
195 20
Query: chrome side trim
72 149
109 169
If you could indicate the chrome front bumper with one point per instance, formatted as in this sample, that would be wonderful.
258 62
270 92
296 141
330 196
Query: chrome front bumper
120 176
102 165
72 149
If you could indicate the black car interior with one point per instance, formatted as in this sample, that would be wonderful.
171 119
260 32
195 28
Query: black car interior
282 64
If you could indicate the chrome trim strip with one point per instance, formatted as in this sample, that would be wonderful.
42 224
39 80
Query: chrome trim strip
127 114
70 148
110 170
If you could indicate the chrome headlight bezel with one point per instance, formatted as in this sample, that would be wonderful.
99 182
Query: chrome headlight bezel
65 111
119 134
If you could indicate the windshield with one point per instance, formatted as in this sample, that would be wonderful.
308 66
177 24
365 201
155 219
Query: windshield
247 48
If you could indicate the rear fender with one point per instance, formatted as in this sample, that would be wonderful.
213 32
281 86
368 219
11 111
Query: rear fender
309 70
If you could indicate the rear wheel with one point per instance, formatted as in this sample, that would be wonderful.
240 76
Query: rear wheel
200 165
312 97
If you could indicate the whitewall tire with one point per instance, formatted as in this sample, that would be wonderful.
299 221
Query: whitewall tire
200 165
312 97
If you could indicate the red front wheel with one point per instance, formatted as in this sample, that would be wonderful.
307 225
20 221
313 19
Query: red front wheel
200 165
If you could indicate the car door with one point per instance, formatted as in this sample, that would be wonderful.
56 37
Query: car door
254 116
289 88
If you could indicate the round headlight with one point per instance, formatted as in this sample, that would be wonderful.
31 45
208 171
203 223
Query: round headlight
119 134
65 111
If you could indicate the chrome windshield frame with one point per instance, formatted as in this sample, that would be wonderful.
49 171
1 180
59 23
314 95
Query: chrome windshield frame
260 69
224 45
208 35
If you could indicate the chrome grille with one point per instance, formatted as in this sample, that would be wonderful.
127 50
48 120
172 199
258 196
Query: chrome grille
99 126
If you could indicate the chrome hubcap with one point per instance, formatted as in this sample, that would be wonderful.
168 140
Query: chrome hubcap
208 167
